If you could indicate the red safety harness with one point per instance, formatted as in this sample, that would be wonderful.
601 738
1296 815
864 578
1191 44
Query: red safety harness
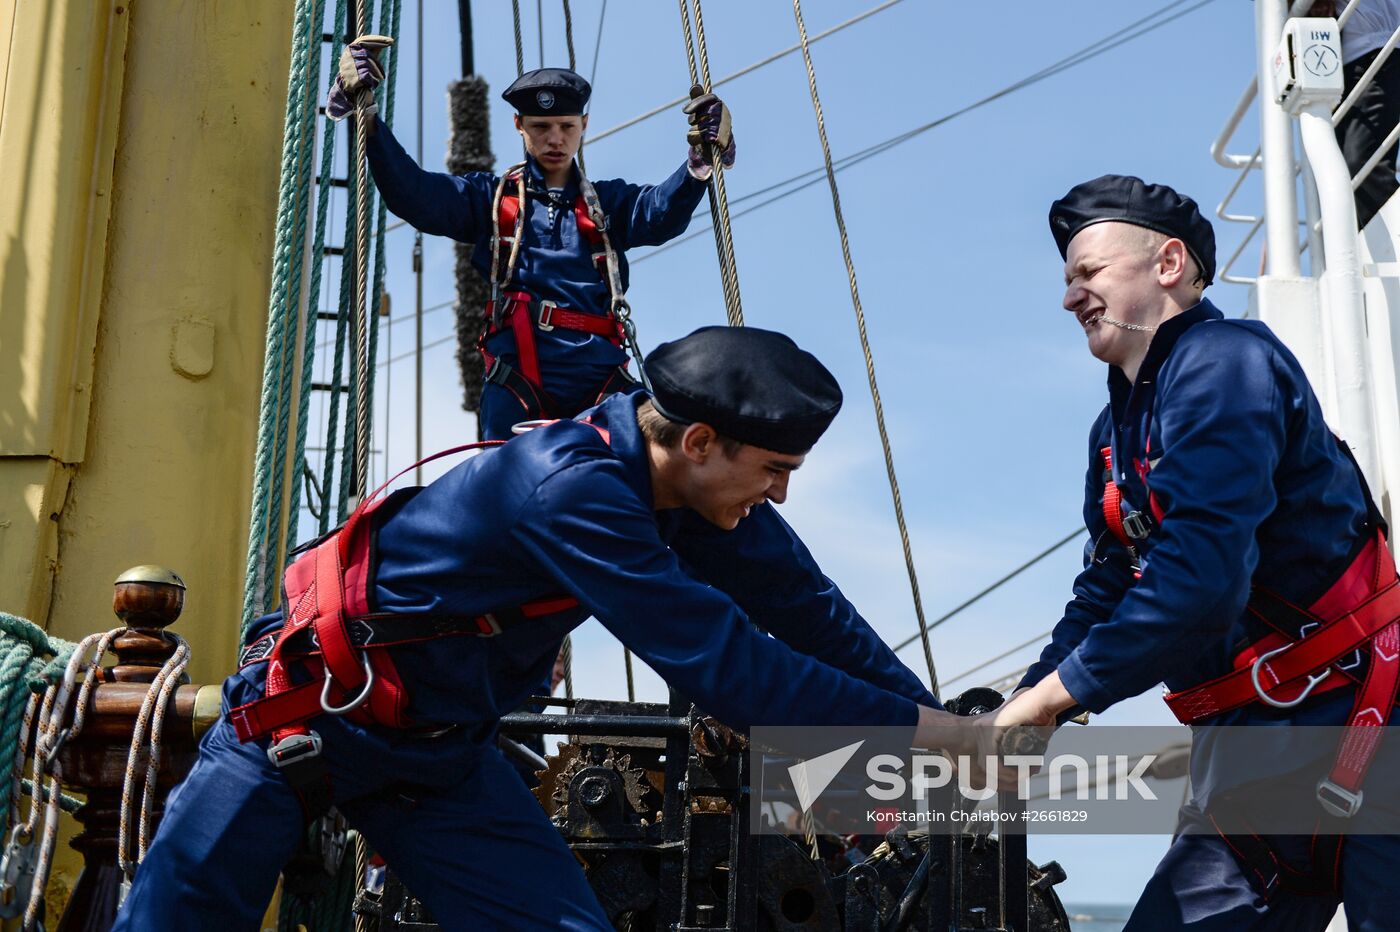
332 634
522 313
1348 636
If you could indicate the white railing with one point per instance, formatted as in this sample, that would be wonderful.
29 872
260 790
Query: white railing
1323 313
1247 163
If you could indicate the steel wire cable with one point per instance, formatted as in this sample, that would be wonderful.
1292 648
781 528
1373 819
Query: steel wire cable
994 586
865 348
519 42
598 43
1002 683
814 176
365 113
662 108
717 169
1001 656
569 34
569 41
719 209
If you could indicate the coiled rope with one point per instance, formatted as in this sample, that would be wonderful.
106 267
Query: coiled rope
26 674
865 348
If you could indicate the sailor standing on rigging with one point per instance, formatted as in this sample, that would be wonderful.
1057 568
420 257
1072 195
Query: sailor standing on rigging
1217 502
555 342
655 514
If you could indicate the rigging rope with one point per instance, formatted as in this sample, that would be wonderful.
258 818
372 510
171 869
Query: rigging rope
22 887
668 105
598 44
519 46
719 201
267 527
569 41
994 586
323 201
1001 656
364 115
569 34
816 175
865 347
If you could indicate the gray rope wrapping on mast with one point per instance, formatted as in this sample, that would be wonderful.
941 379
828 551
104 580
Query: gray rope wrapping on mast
865 348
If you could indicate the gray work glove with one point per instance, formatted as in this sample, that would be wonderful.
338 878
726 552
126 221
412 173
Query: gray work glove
358 71
709 125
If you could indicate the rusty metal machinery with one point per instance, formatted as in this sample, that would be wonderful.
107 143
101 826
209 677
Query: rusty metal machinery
653 800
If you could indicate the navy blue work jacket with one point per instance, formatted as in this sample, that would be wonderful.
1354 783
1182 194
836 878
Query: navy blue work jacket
559 510
555 262
1255 489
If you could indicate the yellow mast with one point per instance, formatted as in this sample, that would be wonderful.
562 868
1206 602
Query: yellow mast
140 143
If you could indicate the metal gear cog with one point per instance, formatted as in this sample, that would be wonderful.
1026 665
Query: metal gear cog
553 791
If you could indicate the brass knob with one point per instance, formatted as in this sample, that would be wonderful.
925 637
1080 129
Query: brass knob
149 573
148 597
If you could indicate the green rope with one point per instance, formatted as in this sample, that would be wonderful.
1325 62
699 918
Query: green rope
29 661
290 227
331 910
323 203
69 804
307 138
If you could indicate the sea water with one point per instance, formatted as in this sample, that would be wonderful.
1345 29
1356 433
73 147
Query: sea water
1098 917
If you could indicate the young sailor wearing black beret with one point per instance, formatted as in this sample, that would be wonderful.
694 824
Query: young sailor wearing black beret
653 513
551 243
1226 522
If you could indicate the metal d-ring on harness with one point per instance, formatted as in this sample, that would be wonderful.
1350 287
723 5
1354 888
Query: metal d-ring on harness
354 702
1314 679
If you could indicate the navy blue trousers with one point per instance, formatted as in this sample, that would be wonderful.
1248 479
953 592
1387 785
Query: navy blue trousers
1200 887
573 391
474 845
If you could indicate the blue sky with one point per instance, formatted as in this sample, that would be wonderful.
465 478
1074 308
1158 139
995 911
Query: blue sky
987 386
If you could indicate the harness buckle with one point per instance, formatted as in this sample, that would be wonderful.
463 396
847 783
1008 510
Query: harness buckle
1313 681
547 309
298 758
353 703
294 750
1137 525
1337 800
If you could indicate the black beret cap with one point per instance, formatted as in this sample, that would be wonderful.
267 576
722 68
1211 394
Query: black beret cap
1131 200
751 385
548 92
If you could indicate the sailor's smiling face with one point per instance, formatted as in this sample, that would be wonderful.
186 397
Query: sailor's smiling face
724 485
553 141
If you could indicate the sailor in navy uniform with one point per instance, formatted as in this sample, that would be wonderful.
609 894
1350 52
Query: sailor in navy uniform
1217 499
554 343
653 513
